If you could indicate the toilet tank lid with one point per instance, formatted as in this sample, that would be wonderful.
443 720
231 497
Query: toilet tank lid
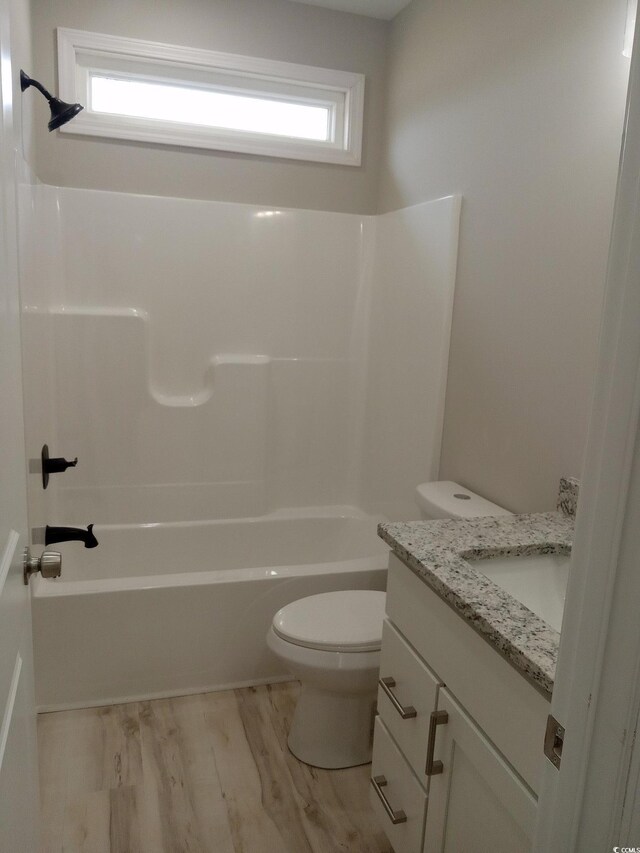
446 499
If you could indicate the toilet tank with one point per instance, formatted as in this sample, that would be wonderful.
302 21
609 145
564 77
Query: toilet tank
446 499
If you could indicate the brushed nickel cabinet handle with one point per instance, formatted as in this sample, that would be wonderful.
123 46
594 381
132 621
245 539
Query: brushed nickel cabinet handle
438 718
394 815
407 712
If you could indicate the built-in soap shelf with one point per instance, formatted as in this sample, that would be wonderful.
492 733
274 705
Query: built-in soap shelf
200 397
217 362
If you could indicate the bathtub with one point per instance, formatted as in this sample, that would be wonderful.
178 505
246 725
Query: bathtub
174 608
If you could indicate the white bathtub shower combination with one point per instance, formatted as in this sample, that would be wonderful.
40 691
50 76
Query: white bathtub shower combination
247 395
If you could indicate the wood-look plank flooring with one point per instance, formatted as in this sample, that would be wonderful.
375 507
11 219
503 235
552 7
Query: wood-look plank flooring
198 774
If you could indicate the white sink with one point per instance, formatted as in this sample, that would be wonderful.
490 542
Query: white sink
538 581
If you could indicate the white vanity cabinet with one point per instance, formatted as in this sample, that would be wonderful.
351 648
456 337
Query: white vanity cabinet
459 735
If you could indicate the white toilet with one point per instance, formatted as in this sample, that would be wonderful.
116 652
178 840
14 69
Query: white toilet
331 644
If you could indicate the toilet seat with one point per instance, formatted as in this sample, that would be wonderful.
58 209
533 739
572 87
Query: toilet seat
345 621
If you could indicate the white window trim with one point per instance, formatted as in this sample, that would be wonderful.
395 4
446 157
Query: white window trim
73 81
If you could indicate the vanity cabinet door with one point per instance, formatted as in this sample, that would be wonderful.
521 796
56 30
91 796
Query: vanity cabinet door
407 694
478 803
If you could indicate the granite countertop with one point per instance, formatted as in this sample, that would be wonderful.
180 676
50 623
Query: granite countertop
437 551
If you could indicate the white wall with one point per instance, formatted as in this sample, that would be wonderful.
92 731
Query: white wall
519 107
199 355
208 360
39 277
275 29
413 279
36 242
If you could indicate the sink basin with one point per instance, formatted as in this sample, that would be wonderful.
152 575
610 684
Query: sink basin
538 581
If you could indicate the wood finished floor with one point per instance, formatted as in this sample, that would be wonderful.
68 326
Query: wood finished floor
198 774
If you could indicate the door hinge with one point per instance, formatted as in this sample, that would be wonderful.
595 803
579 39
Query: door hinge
554 741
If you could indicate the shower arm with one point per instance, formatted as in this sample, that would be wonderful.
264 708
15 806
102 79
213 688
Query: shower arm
26 81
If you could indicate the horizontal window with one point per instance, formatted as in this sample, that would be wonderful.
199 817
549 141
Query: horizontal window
181 96
209 108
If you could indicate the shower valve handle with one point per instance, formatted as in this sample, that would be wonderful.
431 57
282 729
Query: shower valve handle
55 465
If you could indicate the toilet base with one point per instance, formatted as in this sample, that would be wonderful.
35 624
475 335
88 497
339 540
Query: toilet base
332 730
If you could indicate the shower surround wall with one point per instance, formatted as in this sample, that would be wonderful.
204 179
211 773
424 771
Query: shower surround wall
211 360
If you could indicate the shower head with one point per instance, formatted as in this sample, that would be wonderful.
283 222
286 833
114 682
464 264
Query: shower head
61 112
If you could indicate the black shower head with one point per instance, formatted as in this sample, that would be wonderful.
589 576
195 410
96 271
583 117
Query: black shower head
61 112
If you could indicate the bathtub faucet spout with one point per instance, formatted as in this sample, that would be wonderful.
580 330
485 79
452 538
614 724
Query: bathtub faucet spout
70 534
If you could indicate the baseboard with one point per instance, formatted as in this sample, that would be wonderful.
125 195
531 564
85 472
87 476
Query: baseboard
164 694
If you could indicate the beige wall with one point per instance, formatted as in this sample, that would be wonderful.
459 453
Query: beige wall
518 106
275 29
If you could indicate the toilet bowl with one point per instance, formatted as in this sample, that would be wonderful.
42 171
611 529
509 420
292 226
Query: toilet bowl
331 644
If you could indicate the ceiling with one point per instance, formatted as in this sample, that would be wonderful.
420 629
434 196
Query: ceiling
386 9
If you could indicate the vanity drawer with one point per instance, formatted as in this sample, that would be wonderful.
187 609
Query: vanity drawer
396 795
407 694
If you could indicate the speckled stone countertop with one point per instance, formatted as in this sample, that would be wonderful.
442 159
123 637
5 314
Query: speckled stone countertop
437 551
